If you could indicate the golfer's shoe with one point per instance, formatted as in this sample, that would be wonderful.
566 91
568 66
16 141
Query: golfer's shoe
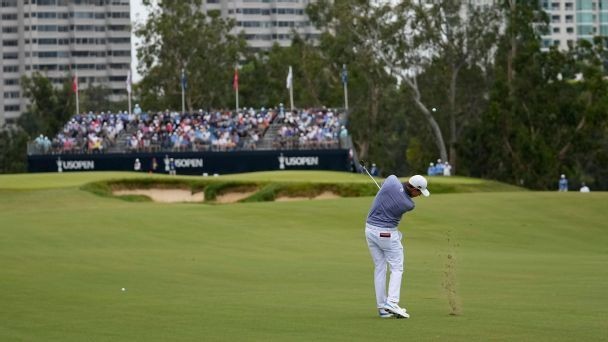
384 314
396 310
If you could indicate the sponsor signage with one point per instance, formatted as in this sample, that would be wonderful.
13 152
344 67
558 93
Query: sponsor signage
290 162
188 162
195 163
75 165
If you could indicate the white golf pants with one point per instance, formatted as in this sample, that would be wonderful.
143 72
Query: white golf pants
385 247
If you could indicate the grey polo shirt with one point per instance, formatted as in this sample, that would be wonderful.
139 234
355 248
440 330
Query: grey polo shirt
391 202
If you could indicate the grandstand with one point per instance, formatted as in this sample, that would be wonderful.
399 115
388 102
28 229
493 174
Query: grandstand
115 139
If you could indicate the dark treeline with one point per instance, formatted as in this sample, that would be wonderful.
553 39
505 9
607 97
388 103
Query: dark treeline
424 83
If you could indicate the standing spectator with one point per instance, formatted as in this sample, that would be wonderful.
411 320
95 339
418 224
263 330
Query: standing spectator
584 188
172 167
431 169
447 169
167 164
154 165
137 165
343 136
563 183
374 170
439 168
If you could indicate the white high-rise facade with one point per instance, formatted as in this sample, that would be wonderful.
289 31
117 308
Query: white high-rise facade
572 20
266 22
58 38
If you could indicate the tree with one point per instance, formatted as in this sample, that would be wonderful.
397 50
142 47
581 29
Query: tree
96 98
542 121
176 36
46 114
372 91
13 145
409 38
49 107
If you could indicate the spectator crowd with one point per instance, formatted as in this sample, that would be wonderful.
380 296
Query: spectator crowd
215 130
310 129
439 169
85 133
199 131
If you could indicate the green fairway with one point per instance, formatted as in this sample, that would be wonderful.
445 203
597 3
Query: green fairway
528 266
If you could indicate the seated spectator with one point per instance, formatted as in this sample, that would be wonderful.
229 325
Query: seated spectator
202 130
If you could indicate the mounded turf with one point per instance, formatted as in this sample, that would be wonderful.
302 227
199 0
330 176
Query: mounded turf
524 266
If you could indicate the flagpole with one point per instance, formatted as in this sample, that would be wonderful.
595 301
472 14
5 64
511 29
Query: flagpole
236 87
291 87
345 96
183 93
345 83
77 90
291 97
129 90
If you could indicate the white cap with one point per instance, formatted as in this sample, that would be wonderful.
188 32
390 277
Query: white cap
419 183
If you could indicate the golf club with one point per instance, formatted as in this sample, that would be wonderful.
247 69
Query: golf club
370 176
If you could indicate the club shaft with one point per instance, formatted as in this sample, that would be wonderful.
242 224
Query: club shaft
370 176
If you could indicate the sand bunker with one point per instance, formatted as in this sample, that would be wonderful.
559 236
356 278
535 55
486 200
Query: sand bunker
180 195
233 197
165 195
323 195
327 195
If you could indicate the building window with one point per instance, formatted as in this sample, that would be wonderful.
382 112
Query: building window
11 108
11 95
10 29
585 5
10 68
556 30
8 3
9 16
585 30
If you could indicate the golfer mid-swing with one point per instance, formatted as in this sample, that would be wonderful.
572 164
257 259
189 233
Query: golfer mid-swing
384 239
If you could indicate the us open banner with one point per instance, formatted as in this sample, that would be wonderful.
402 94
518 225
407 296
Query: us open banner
194 163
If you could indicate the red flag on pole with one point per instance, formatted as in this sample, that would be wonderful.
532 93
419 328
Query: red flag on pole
75 83
235 82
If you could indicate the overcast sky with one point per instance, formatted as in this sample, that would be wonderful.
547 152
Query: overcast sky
138 15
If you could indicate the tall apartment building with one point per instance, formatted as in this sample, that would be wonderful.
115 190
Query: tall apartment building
266 22
572 20
58 37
